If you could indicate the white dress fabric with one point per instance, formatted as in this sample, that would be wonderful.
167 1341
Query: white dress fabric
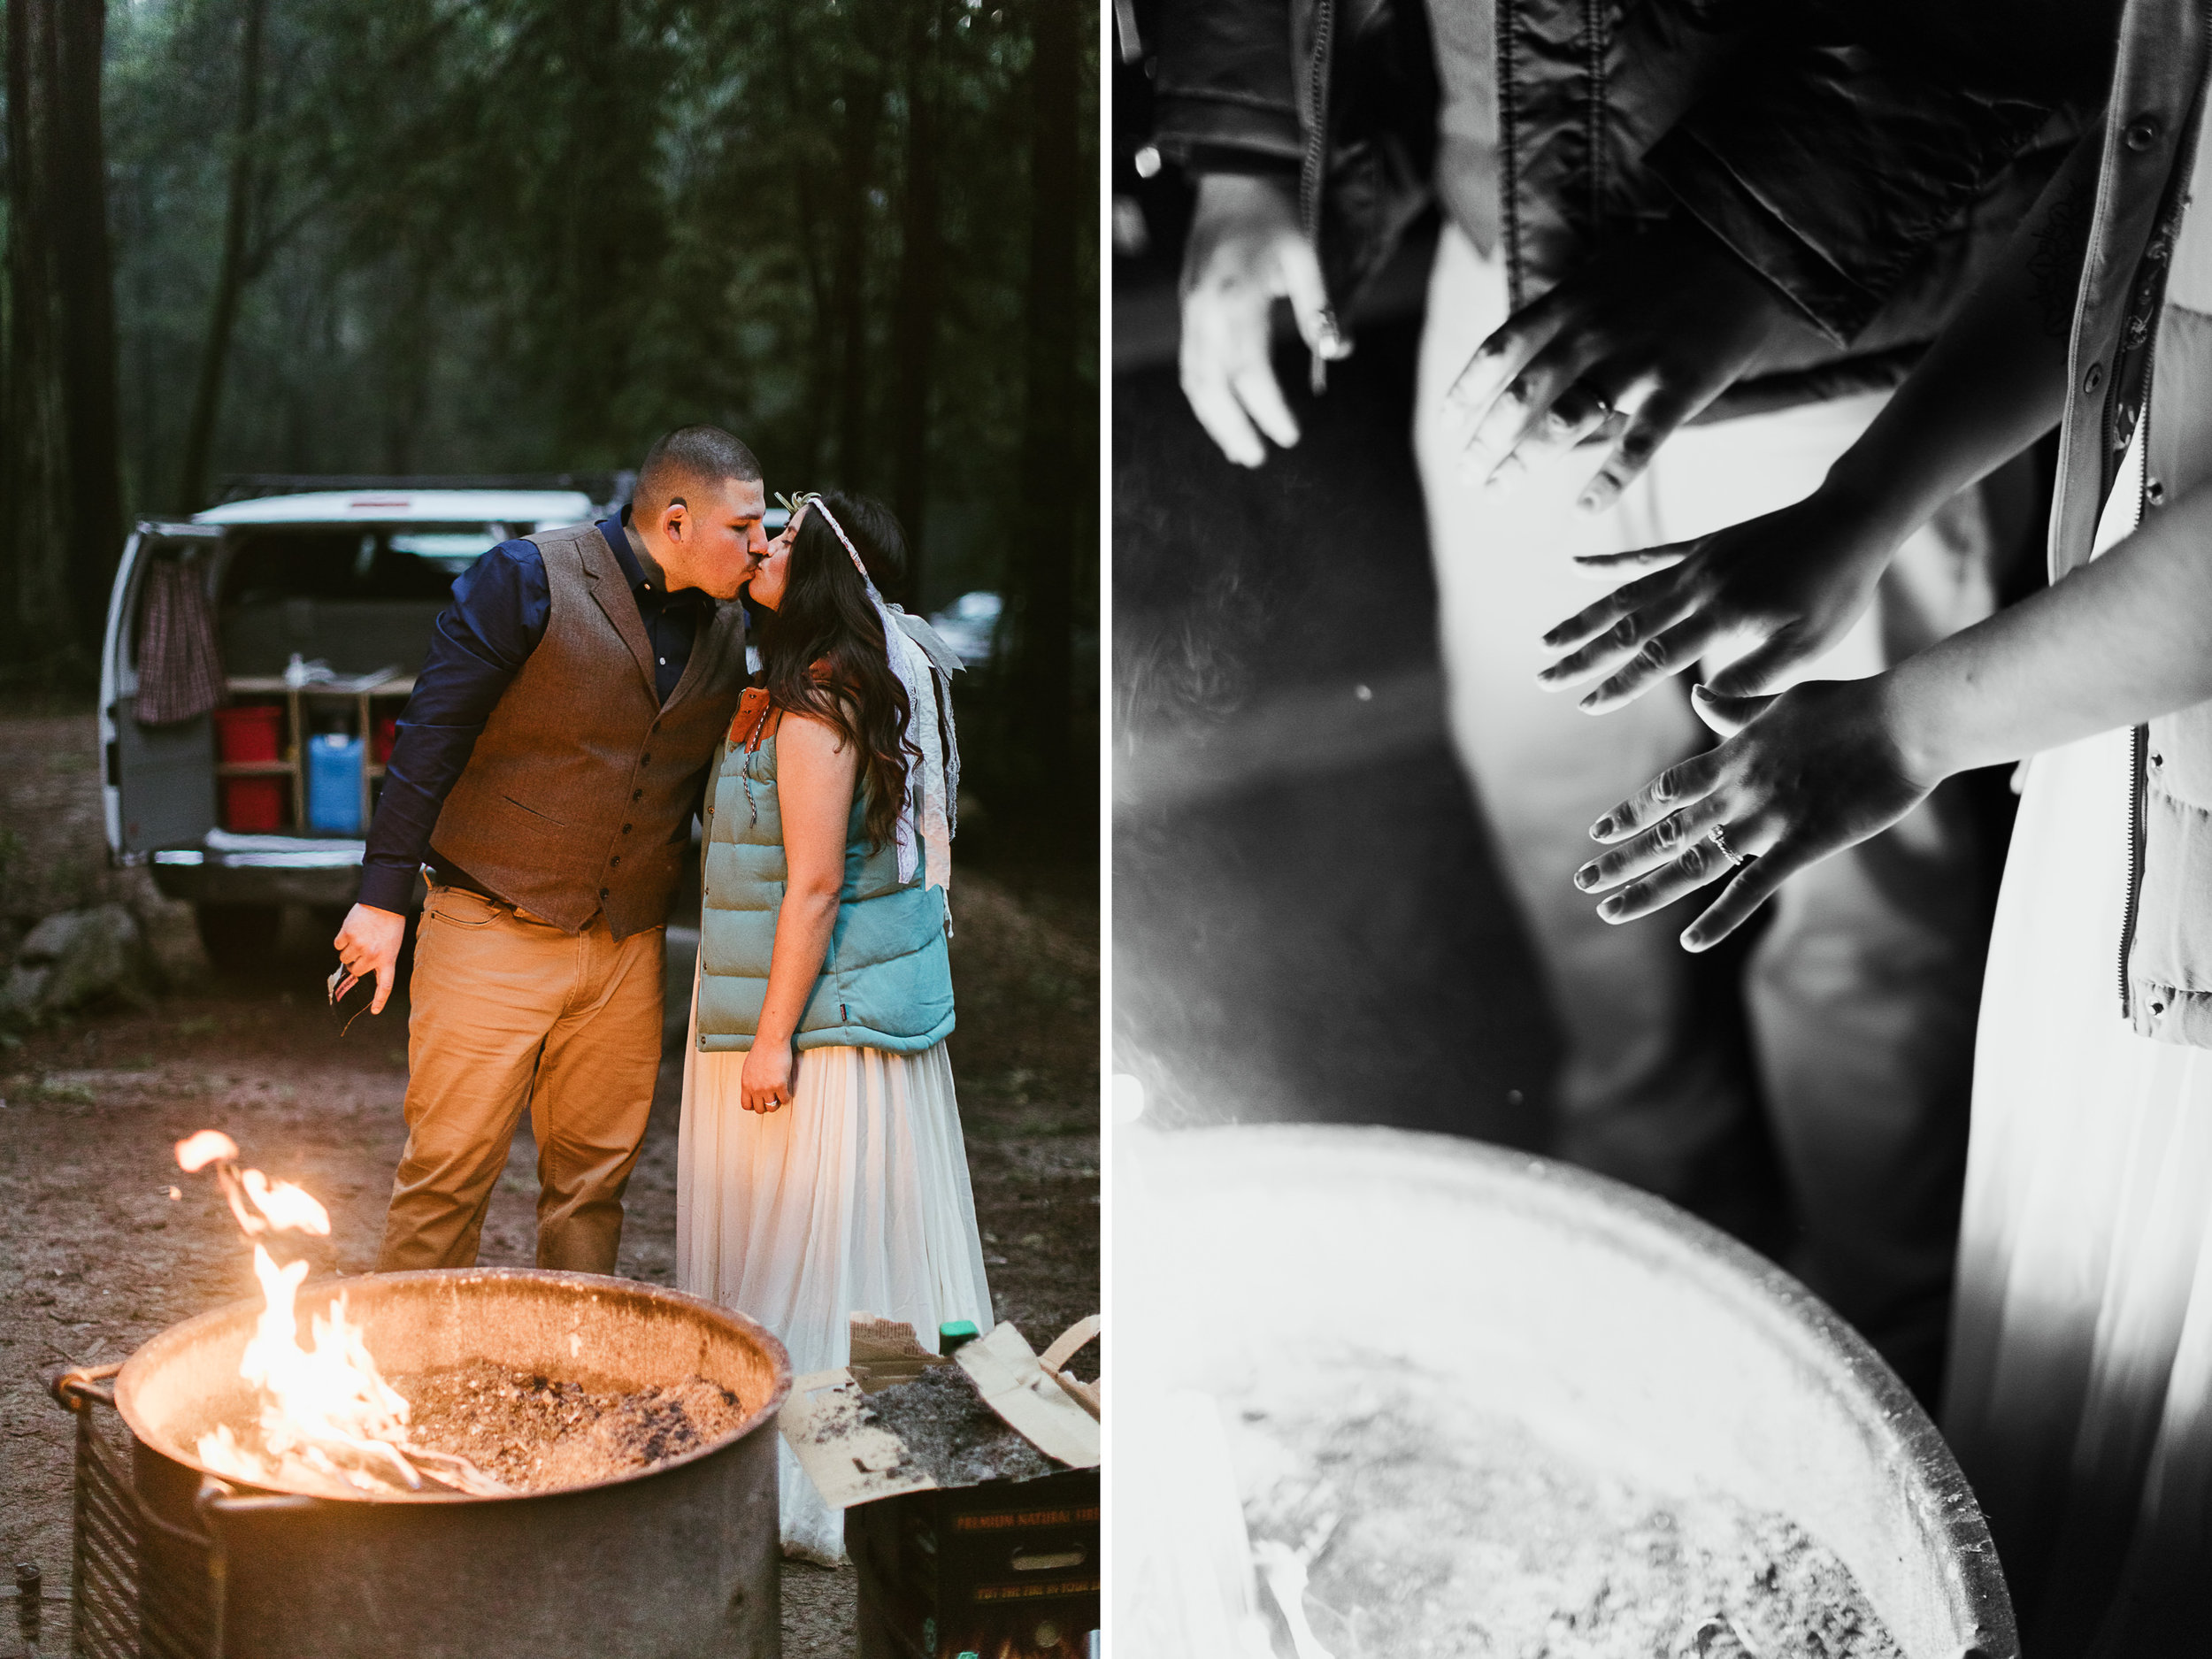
854 1198
2079 1400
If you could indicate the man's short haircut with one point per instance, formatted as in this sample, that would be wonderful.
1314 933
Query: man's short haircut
689 459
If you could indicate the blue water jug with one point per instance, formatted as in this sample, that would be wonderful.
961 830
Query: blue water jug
334 783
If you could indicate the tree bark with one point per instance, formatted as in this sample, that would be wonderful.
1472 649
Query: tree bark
914 310
57 469
232 273
863 86
88 372
1052 472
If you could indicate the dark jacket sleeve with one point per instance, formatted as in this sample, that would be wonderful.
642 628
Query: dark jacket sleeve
1223 100
1830 170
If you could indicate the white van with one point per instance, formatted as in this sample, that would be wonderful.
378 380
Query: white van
322 600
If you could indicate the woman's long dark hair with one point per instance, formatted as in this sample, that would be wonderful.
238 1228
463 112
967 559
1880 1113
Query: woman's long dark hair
822 650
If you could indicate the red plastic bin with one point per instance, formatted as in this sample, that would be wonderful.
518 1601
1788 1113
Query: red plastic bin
251 731
253 805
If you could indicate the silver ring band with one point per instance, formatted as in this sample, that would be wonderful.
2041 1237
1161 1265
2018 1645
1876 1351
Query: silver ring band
1720 840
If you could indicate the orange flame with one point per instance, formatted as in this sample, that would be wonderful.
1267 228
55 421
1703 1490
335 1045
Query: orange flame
326 1412
327 1417
196 1152
285 1204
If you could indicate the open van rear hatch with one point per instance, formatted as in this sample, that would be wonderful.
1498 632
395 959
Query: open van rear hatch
341 584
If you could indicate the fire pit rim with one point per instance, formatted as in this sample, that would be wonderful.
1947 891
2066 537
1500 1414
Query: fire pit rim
1789 1310
150 1354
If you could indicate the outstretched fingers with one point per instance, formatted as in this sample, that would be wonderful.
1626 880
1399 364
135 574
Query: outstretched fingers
1207 389
1500 358
1663 842
1753 887
1636 624
1698 864
1662 655
1604 567
1678 786
1624 601
1260 395
1654 422
1545 386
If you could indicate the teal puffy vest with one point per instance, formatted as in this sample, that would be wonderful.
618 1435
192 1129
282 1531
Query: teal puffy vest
885 981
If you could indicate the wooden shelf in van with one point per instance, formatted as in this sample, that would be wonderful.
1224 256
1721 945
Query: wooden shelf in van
295 733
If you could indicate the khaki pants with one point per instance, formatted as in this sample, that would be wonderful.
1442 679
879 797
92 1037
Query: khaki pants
509 1011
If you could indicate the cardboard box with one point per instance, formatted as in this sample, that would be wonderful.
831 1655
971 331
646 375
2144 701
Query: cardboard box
1005 1569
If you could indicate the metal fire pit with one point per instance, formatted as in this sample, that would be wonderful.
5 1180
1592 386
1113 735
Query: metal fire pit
1606 1320
675 1562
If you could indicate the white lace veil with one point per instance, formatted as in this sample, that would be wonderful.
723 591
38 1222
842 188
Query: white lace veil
925 664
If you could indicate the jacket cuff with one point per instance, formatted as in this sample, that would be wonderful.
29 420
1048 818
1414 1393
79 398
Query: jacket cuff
1711 192
388 886
1210 131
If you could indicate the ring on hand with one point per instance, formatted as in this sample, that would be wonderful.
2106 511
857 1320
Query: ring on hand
1600 405
1721 840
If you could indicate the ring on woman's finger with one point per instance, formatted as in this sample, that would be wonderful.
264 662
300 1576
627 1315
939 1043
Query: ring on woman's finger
1720 840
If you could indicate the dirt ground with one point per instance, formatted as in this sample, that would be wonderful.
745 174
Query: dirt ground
103 1243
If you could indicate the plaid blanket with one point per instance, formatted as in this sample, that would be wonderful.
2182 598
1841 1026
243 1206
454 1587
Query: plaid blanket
180 671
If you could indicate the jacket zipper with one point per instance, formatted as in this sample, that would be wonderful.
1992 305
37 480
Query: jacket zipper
1311 170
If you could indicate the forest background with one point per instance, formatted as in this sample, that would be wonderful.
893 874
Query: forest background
423 236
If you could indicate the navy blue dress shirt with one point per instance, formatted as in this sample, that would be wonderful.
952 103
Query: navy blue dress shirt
501 606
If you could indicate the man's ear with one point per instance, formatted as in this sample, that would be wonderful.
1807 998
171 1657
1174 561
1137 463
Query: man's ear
673 517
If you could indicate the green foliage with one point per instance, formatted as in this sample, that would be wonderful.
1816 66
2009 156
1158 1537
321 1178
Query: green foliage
528 234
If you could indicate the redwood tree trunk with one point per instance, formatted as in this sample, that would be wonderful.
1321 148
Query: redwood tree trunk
863 87
914 313
89 383
1053 473
231 274
57 468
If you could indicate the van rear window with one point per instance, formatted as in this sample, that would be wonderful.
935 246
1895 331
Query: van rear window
402 562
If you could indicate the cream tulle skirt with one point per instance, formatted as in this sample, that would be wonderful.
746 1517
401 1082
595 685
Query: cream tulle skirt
2080 1392
853 1197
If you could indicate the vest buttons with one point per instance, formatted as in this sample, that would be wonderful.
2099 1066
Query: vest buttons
2155 493
612 862
603 893
2142 132
2090 383
637 794
647 760
625 829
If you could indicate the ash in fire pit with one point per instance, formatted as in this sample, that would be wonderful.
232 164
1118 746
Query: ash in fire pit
958 1439
1412 1526
535 1433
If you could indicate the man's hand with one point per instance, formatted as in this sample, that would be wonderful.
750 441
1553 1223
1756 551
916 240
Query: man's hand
1245 252
369 944
1802 775
1655 332
1792 583
764 1081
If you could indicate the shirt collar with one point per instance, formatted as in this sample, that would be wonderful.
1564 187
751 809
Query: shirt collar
612 531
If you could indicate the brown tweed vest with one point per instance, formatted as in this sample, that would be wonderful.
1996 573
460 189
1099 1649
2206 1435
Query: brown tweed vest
578 797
